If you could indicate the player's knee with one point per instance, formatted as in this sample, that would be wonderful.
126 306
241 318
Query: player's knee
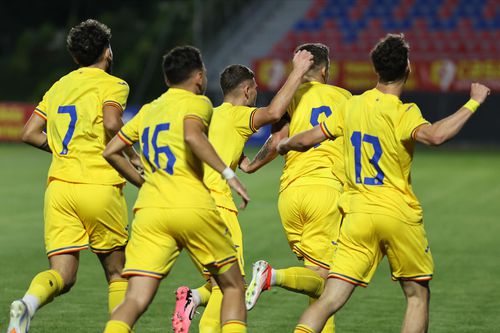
416 292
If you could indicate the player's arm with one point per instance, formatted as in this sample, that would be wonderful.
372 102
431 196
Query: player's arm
268 151
112 121
302 141
197 140
33 133
446 128
114 155
302 62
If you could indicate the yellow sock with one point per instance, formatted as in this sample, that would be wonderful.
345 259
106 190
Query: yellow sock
45 286
116 293
301 280
234 326
300 328
117 326
210 321
204 292
329 325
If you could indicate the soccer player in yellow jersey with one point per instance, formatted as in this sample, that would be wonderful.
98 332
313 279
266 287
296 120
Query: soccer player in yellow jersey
231 126
84 205
174 209
310 186
382 216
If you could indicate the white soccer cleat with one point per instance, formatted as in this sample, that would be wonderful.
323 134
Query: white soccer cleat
261 280
19 317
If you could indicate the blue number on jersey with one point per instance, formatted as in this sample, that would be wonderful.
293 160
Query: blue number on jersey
155 164
316 112
357 141
71 109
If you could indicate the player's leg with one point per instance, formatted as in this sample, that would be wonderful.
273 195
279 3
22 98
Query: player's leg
64 237
411 263
417 309
140 293
233 311
310 220
104 214
44 287
336 294
112 264
150 254
354 263
209 245
210 320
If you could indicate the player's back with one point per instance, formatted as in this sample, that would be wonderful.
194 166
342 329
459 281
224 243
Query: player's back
313 103
75 131
229 130
378 131
173 174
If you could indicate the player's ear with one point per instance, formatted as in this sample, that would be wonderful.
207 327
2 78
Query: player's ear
246 91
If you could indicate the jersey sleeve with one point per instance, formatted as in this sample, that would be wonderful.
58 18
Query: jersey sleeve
41 108
244 121
200 108
129 133
412 118
116 94
333 126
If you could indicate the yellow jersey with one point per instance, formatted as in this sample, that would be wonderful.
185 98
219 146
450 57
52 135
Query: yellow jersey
313 103
72 108
230 128
173 174
378 141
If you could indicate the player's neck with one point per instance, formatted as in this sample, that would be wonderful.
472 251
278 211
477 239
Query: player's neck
393 88
235 100
189 86
101 65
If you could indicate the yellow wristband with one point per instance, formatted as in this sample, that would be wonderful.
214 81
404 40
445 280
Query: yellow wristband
472 105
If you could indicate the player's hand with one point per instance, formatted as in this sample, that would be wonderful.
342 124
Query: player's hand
282 147
137 163
302 61
236 185
244 164
479 92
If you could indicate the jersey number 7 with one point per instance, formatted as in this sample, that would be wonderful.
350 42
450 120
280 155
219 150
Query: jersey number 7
71 110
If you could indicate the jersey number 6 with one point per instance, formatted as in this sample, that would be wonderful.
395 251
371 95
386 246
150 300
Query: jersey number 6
155 163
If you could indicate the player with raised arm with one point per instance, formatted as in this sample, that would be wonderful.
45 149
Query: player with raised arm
382 216
310 186
231 126
84 204
174 209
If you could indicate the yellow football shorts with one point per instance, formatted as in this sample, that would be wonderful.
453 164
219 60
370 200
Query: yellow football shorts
159 234
311 220
81 215
230 218
366 238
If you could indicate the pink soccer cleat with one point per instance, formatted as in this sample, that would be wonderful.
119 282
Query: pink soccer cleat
184 310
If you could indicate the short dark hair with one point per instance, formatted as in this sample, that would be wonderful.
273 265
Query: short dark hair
320 52
390 58
180 62
87 41
233 75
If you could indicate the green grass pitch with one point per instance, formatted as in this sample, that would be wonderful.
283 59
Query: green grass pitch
460 193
